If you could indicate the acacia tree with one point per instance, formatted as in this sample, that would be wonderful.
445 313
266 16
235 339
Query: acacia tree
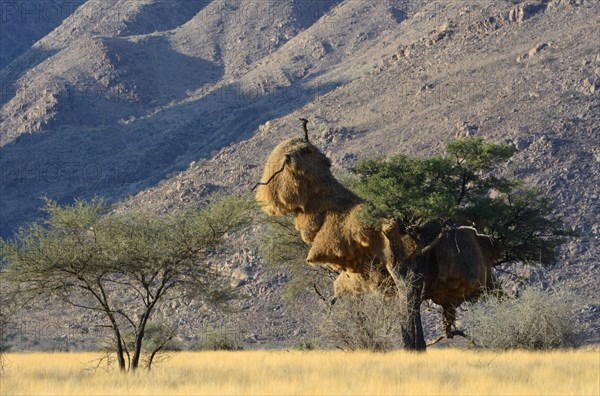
460 189
456 191
92 258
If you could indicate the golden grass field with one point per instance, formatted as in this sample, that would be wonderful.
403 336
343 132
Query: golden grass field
437 372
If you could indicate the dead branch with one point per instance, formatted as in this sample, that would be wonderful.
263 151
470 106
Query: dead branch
304 122
390 258
434 243
270 178
320 294
475 230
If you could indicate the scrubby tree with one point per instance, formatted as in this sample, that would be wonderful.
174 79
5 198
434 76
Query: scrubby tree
459 190
10 306
4 321
372 320
96 259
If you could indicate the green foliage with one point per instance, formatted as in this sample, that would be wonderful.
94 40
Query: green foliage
475 154
282 247
91 257
280 243
419 190
306 346
158 336
64 242
7 311
460 188
522 220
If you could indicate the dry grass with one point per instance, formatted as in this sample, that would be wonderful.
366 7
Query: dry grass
259 372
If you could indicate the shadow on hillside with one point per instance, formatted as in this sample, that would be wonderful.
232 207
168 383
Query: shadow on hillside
10 74
308 12
23 23
118 160
163 15
151 76
153 17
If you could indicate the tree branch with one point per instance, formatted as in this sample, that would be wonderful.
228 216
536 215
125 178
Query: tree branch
270 178
475 230
123 314
434 243
129 284
304 122
443 234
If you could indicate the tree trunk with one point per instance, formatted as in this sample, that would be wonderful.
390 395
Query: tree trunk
412 331
151 358
138 346
411 270
120 352
449 317
118 341
140 338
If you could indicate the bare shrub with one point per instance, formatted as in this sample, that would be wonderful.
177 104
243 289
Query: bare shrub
8 309
2 346
536 320
219 339
366 321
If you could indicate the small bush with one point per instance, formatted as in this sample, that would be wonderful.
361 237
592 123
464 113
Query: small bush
2 349
311 345
5 318
368 321
219 339
535 320
2 346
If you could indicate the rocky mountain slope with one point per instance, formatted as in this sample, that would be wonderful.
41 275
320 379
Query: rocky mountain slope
24 22
158 105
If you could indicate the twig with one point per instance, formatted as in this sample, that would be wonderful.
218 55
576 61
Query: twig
518 277
456 243
320 294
